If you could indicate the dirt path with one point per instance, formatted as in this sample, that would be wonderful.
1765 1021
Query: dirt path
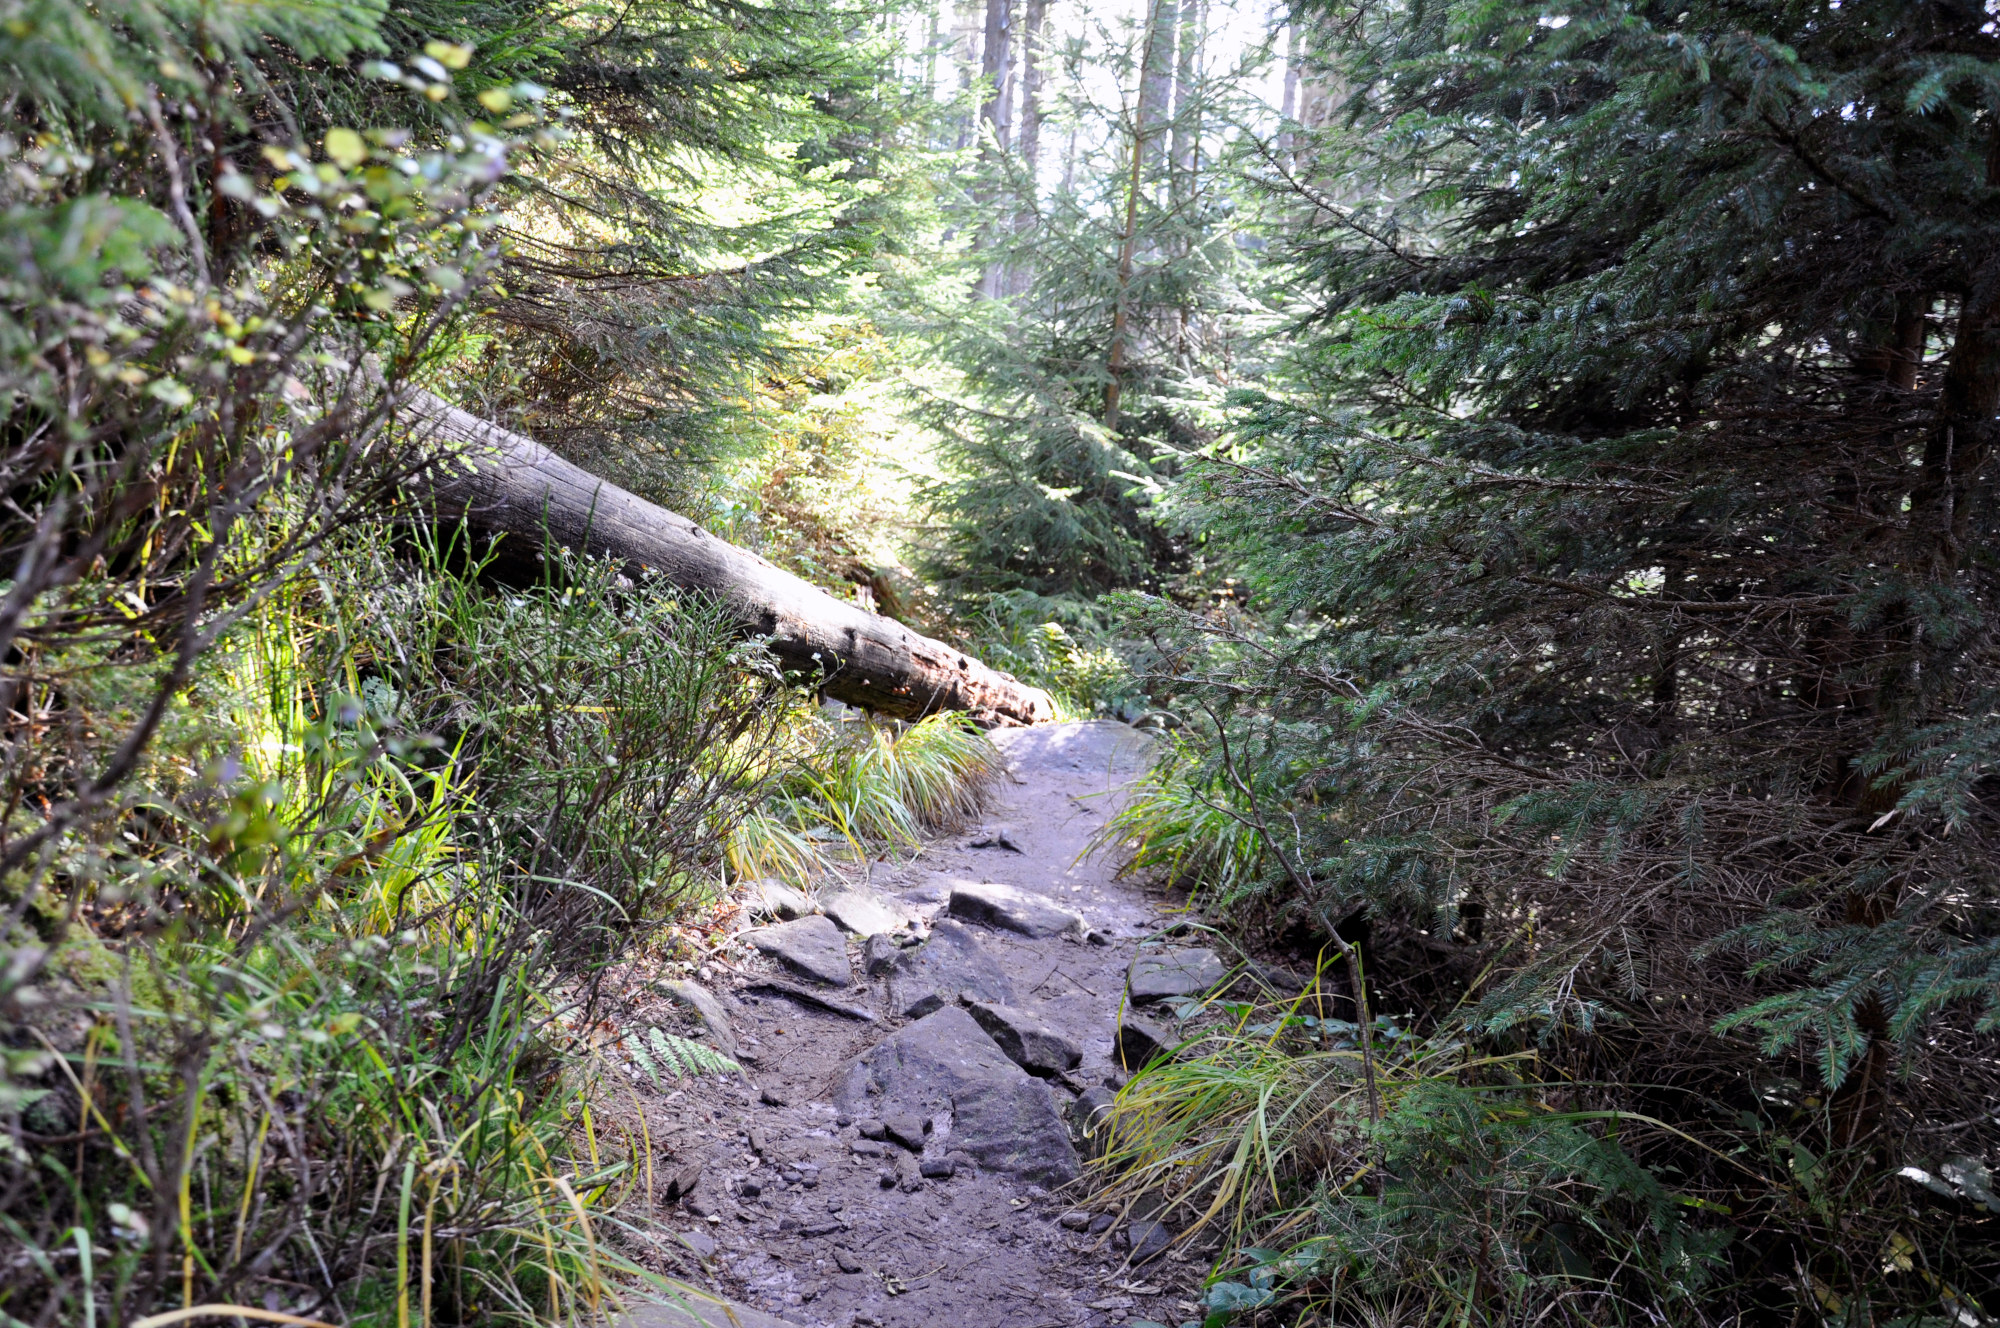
794 1215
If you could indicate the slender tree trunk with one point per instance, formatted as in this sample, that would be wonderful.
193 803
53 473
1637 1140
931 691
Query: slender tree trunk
1187 99
1152 58
930 59
996 124
996 65
1184 186
1028 142
1289 110
1156 81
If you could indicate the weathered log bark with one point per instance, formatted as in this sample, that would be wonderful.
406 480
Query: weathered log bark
515 486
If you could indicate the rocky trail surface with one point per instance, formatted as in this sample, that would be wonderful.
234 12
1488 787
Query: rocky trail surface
921 1057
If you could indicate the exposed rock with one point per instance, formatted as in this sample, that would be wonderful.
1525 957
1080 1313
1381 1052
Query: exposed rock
1147 1239
771 898
1087 1116
682 1183
937 1168
869 1148
772 1099
950 964
879 954
1158 974
705 1005
813 999
1004 906
750 1187
1076 1219
909 1174
1000 1115
993 838
703 1206
700 1242
845 1261
863 911
1102 1223
871 1128
1138 1041
1028 1042
810 947
906 1130
692 1308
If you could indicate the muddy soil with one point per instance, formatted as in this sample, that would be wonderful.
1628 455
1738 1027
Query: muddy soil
790 1219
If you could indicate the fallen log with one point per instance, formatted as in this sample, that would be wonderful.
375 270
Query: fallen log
504 483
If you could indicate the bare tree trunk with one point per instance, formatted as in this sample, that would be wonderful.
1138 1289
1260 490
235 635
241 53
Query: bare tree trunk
1289 111
996 64
1187 99
511 485
1029 142
996 116
1156 80
1152 91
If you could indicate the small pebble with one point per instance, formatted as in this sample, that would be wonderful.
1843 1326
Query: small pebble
771 1099
888 1178
872 1129
792 1177
750 1189
936 1168
846 1262
834 1205
867 1148
842 1121
1101 1223
1076 1220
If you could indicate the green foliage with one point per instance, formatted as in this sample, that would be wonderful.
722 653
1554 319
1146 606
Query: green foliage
863 787
391 837
1463 1190
1087 330
680 1057
1182 825
1619 537
1062 646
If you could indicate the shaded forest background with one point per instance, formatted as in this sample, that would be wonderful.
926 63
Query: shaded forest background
1530 463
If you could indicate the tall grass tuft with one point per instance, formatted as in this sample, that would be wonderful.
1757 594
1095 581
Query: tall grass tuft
1187 830
1456 1184
845 791
319 1033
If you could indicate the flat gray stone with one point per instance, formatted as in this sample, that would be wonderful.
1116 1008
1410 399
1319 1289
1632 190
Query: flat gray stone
1005 1119
694 1308
935 974
1004 906
1157 974
863 911
1027 1041
1147 1239
810 947
772 898
713 1017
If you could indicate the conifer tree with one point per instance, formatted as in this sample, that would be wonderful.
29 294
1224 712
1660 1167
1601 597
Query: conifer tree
1629 512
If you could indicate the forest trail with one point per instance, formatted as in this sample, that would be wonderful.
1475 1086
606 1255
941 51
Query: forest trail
797 1215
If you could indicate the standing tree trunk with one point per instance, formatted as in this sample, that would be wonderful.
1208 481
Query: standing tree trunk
1289 111
996 116
1156 81
1147 114
501 482
1028 142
